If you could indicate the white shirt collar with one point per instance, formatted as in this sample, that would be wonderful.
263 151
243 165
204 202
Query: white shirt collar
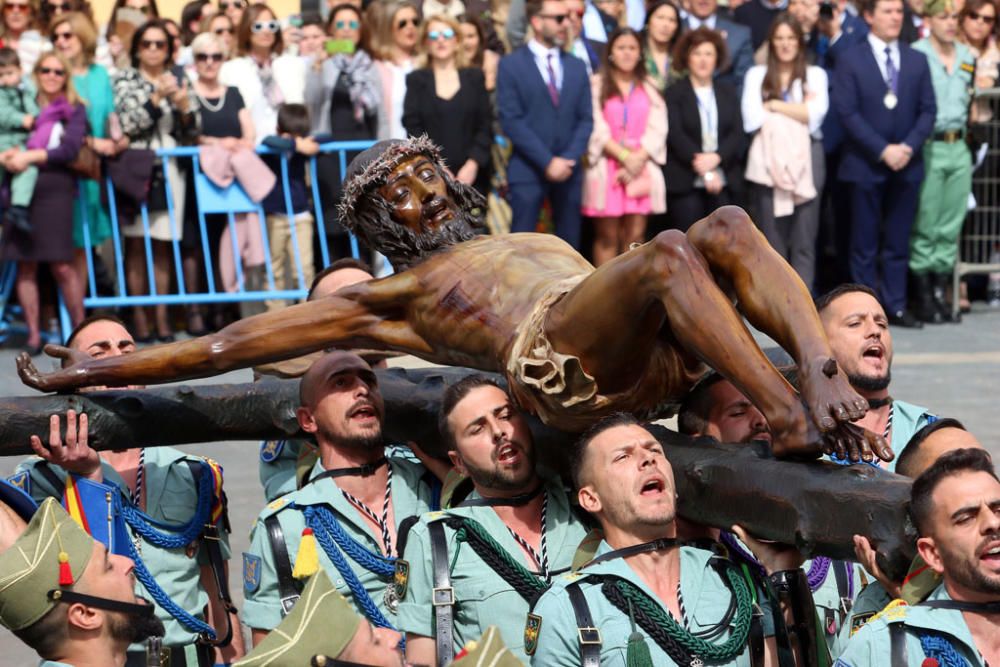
879 46
541 52
708 21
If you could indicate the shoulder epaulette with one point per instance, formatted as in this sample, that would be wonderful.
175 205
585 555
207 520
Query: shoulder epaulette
894 612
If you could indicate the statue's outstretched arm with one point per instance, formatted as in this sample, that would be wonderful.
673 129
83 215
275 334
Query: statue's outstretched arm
352 317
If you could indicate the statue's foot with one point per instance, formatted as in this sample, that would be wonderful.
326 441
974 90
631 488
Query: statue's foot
833 405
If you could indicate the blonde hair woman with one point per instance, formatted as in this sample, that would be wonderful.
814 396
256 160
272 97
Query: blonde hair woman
62 121
447 101
395 44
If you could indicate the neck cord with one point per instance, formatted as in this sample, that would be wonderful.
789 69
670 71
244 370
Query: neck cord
541 560
382 522
645 547
136 495
513 501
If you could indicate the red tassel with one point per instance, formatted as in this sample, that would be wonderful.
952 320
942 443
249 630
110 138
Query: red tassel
929 662
65 574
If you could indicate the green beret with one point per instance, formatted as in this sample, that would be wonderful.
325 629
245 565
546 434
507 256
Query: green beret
935 7
487 650
321 622
30 568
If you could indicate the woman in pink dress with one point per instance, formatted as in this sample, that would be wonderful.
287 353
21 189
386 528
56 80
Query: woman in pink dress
624 182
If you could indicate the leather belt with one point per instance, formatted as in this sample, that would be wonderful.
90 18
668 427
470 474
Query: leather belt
588 635
950 136
443 597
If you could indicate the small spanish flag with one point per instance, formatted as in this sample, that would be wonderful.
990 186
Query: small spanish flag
74 503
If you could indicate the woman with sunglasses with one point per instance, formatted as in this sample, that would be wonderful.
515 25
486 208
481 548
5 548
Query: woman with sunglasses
156 110
448 102
19 31
74 37
395 43
53 8
233 9
221 26
265 76
976 25
63 122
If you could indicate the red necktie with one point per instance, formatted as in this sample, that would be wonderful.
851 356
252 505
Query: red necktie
553 90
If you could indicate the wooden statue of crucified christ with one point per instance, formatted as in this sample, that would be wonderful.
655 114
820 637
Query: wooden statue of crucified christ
575 342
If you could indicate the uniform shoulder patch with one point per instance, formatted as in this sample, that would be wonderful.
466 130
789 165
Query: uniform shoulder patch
894 612
21 480
859 620
532 627
251 572
968 67
270 450
401 578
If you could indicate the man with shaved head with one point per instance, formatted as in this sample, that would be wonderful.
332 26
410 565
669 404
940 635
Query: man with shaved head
346 516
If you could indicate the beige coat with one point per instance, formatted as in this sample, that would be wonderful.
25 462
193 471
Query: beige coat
654 141
781 158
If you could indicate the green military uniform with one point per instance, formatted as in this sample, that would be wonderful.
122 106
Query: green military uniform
947 163
412 494
834 600
706 600
924 628
487 650
171 497
920 581
483 597
321 623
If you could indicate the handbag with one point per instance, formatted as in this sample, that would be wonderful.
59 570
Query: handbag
87 163
641 185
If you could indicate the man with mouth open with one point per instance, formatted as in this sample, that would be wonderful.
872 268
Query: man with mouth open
858 330
955 505
493 553
644 591
346 516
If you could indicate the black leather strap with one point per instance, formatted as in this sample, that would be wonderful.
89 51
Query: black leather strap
897 645
757 637
513 501
588 635
210 542
288 588
365 470
443 595
842 570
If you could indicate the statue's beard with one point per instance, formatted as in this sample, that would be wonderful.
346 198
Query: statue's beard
405 248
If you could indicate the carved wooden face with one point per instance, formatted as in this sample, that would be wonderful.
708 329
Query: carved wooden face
418 195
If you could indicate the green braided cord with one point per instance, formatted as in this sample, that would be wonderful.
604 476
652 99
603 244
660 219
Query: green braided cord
728 650
530 582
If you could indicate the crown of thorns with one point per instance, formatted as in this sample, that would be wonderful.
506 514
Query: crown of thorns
368 171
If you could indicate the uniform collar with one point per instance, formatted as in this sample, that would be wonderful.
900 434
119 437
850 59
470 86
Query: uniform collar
945 621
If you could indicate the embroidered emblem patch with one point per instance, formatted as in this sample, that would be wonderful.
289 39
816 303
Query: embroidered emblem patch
968 67
270 450
21 480
251 572
401 578
532 626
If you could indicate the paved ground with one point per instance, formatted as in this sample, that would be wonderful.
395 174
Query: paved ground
952 369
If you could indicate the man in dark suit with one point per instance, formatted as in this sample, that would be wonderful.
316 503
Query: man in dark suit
543 98
738 43
885 101
758 16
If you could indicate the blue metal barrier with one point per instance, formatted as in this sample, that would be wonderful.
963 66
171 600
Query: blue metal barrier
211 200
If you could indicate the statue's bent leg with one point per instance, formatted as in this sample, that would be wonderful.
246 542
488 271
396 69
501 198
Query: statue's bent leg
612 320
774 300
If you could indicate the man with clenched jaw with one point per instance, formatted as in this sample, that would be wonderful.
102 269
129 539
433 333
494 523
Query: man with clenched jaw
513 533
346 516
858 330
955 505
644 586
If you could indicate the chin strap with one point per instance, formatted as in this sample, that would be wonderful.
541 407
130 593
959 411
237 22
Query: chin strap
69 597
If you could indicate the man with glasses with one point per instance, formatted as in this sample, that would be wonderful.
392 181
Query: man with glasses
549 125
944 194
581 46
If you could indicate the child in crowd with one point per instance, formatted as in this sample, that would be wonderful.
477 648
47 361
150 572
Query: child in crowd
18 109
290 238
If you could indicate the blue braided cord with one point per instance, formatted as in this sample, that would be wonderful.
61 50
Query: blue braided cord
848 462
184 534
942 650
324 524
381 565
161 598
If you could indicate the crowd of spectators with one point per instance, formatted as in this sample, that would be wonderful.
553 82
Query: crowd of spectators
852 151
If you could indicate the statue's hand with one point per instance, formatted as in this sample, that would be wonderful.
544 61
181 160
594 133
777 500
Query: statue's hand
856 444
60 380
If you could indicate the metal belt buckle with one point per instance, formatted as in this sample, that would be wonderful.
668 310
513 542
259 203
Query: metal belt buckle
288 602
846 604
210 532
589 636
443 597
